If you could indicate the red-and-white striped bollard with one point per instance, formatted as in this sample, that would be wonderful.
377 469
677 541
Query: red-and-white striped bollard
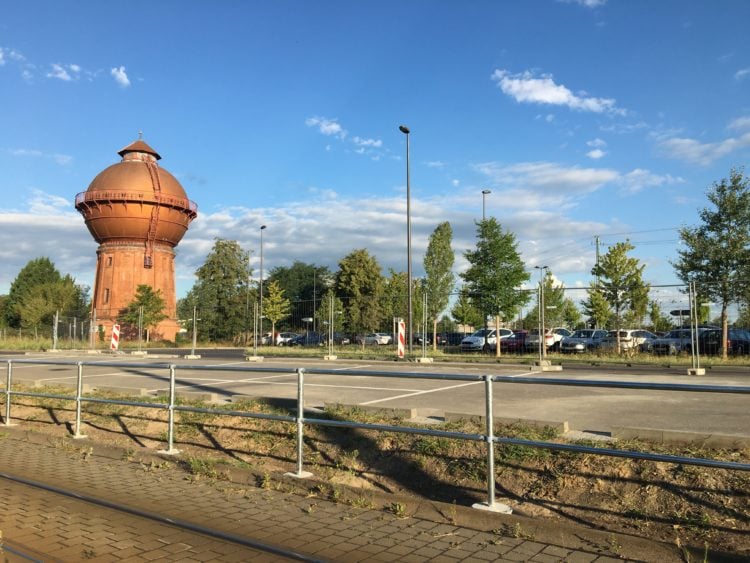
401 338
115 344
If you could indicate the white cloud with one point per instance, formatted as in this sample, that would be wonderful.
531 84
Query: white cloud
740 123
548 177
597 143
639 179
375 143
585 3
120 76
434 164
526 88
60 72
695 152
61 159
742 73
328 127
596 154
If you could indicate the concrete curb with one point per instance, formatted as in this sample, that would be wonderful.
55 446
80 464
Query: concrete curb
676 437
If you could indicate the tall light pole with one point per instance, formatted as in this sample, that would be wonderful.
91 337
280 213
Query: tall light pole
405 130
262 228
540 316
484 198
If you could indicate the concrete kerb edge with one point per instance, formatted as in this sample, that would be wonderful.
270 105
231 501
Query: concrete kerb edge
681 438
559 426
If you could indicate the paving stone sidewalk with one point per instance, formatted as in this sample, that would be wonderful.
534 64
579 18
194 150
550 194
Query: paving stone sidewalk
315 527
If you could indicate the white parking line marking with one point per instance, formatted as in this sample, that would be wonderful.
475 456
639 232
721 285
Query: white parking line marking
421 392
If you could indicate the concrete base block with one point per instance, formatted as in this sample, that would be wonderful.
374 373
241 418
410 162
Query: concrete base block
300 475
139 353
93 351
192 357
696 371
541 363
79 437
253 358
173 451
497 507
197 396
552 368
330 358
424 360
53 351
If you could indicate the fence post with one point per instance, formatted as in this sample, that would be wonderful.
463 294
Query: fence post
491 505
79 393
7 394
170 408
300 425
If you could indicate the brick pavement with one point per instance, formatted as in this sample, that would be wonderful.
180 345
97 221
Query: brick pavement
65 530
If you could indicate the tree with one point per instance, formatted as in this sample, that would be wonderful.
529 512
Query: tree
659 321
221 292
36 272
559 309
621 283
596 308
495 272
147 307
303 285
464 312
323 314
716 254
360 285
439 280
275 306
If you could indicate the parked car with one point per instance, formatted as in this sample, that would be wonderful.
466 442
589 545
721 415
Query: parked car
672 343
738 341
631 340
420 338
552 338
515 343
375 339
308 339
484 339
453 338
338 338
283 338
582 340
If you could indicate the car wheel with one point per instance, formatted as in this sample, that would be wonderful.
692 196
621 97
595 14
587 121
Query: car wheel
486 348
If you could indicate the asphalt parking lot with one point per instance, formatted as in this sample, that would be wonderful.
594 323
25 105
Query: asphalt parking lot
584 409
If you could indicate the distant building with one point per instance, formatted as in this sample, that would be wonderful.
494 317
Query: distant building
138 213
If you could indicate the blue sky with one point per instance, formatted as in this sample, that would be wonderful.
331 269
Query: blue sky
583 118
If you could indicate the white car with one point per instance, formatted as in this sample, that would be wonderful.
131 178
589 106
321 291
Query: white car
477 341
283 338
377 339
631 340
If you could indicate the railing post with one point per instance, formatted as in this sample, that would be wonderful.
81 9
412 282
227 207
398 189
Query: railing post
8 393
79 392
490 505
300 425
170 408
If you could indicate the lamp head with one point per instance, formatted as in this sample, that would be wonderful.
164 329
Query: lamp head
404 129
262 227
485 192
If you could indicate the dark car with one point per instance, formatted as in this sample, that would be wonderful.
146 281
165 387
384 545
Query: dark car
420 338
308 339
738 341
514 344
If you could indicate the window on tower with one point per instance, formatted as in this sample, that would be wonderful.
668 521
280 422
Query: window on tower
106 295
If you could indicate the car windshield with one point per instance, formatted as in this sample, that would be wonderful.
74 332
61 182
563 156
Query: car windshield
482 332
583 334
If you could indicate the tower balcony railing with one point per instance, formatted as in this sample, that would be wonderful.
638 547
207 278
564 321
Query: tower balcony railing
133 196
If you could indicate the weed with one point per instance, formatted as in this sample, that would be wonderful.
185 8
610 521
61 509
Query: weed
202 467
265 481
310 509
614 545
398 509
516 531
88 553
128 455
362 502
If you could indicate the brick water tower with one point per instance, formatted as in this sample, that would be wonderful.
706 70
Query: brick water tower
138 213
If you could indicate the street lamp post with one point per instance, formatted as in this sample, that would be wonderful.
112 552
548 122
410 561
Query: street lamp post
484 202
405 130
540 316
262 228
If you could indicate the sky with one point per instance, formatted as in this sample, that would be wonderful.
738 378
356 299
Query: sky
583 118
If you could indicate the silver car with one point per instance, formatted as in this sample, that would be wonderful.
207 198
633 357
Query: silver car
582 340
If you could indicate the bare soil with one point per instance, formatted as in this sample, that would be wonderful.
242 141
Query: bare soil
705 509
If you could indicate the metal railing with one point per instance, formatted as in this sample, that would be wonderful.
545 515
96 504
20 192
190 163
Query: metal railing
300 420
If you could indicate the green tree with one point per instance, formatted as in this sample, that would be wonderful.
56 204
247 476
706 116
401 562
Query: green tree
560 310
596 307
621 283
659 321
221 292
360 285
464 312
323 314
36 272
716 253
39 305
275 306
150 304
496 272
395 296
439 280
303 285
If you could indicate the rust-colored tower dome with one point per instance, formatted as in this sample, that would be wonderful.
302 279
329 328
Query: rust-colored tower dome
137 212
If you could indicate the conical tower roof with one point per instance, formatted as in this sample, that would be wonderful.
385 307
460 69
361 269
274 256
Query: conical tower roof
139 146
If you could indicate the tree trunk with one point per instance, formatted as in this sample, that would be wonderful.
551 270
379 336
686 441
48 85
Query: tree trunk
497 336
724 330
434 335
